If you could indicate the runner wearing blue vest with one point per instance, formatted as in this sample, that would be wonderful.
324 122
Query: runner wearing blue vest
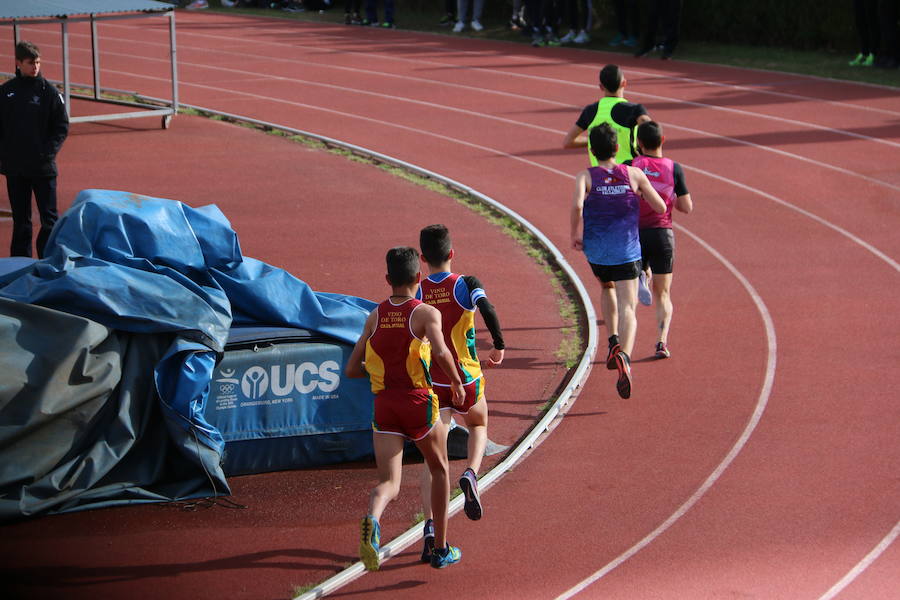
604 224
614 109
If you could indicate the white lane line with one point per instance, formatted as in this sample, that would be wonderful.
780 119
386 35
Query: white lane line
665 99
862 565
494 151
761 403
448 108
854 238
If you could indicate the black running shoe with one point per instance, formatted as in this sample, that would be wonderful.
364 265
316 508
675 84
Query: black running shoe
623 384
469 486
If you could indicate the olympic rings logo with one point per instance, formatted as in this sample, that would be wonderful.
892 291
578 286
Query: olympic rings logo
226 388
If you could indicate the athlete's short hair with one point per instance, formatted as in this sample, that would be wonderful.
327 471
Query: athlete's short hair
611 78
26 50
604 141
435 243
649 134
402 265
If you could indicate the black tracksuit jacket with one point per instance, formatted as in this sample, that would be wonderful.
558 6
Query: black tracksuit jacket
33 126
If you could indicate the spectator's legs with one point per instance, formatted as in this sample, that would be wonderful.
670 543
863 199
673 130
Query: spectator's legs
462 10
389 11
19 190
887 57
372 11
478 10
671 24
45 197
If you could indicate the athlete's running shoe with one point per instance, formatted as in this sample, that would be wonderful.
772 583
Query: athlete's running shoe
370 542
446 557
644 295
469 486
662 350
428 537
623 383
614 349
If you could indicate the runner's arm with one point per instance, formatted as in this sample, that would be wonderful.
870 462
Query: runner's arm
646 190
582 180
683 200
575 138
440 353
355 366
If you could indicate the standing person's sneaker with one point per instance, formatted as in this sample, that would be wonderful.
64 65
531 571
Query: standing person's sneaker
623 383
644 295
476 26
469 486
568 38
537 40
445 557
631 42
582 37
387 25
370 542
617 40
662 350
459 27
428 539
446 20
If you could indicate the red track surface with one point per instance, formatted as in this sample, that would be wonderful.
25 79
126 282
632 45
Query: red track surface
760 461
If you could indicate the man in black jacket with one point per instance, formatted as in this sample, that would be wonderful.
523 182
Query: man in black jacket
33 126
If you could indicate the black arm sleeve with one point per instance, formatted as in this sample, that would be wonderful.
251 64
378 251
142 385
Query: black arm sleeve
680 185
487 313
587 116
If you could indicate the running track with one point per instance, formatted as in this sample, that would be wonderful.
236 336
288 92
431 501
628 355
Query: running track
762 460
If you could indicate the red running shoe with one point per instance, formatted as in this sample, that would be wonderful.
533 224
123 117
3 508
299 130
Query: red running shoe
623 384
611 357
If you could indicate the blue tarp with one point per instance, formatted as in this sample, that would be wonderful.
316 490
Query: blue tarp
149 266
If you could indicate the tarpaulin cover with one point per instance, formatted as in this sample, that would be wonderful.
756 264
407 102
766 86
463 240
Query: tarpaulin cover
142 270
281 400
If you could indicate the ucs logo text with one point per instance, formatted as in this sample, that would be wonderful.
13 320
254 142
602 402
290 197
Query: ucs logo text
305 378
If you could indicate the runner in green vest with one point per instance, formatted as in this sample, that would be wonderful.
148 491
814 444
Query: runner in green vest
622 116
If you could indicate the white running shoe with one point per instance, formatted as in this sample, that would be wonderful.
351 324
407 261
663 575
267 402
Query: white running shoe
477 26
644 295
459 27
582 37
568 38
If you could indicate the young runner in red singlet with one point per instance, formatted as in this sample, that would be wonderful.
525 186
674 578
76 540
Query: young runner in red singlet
457 297
399 339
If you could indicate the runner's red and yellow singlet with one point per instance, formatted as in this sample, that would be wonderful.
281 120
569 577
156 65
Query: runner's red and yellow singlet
395 357
458 324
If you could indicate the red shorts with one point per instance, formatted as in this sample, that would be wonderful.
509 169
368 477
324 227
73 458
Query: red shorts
411 413
474 393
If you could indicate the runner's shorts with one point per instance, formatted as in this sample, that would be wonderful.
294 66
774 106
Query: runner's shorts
407 412
658 249
623 272
474 393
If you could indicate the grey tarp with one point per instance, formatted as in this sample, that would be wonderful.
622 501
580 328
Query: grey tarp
80 420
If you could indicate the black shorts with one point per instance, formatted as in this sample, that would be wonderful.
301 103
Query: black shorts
607 273
658 249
